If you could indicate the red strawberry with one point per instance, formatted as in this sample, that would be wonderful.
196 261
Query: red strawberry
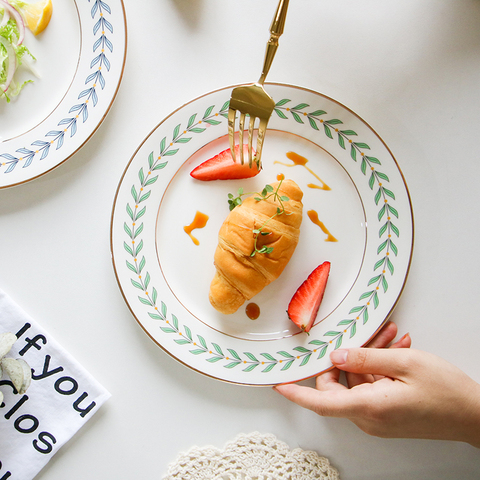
222 166
304 305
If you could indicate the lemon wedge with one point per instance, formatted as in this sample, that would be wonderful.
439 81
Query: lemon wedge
37 15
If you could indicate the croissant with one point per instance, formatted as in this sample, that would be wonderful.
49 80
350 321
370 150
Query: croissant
239 275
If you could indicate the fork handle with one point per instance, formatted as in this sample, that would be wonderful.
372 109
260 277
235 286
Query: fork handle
276 29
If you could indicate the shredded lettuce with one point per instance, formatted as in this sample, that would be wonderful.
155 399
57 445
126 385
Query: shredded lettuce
18 4
10 32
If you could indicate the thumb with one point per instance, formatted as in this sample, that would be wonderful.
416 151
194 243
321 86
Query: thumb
376 361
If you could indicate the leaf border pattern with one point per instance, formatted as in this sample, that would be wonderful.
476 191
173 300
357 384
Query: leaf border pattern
100 63
229 358
382 198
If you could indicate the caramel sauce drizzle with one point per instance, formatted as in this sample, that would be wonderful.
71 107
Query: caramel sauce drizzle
302 161
199 221
253 311
313 216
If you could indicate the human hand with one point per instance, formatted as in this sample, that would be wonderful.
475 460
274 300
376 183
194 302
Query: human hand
396 392
383 339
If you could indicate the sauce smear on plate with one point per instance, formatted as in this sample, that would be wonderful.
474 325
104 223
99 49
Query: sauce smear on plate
313 216
199 221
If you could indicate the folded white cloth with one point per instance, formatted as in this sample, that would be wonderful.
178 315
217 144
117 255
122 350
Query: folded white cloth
62 397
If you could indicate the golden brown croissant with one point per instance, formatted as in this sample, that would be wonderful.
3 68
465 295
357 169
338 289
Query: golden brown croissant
239 275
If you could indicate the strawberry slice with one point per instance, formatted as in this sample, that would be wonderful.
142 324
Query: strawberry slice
304 305
222 166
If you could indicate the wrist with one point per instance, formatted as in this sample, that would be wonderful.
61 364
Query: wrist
472 418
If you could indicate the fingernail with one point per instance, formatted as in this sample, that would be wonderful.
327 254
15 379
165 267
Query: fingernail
407 335
339 357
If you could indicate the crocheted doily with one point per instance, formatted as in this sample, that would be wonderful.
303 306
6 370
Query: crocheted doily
251 457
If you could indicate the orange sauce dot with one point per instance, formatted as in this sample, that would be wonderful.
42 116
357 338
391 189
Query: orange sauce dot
298 160
253 311
313 216
199 221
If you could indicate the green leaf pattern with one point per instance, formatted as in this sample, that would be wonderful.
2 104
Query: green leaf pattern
382 198
88 98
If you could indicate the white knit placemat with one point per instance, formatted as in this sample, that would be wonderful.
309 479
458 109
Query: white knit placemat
251 456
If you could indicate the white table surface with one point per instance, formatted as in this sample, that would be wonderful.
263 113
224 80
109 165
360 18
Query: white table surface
411 69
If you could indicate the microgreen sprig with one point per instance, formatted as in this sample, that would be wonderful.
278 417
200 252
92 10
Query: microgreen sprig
235 201
267 192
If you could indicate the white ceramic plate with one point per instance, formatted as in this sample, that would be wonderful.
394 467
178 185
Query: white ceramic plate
80 59
165 277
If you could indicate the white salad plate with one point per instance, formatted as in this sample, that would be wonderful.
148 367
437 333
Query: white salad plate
165 277
80 59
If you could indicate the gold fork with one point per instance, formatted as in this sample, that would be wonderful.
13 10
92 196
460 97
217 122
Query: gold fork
253 100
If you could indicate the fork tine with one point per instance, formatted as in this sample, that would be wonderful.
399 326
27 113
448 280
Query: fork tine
232 113
241 127
262 128
250 138
253 100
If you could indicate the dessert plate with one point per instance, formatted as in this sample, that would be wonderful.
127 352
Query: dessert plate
357 215
80 60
